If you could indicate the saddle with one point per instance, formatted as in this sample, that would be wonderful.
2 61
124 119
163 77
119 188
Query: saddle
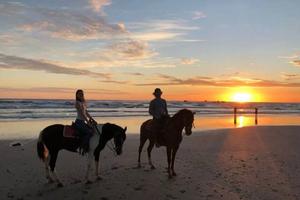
70 131
158 129
157 126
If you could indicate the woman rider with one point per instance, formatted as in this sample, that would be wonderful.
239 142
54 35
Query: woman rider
83 121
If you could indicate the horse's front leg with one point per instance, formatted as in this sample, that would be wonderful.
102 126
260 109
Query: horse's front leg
48 177
97 170
89 163
173 160
149 149
97 156
169 161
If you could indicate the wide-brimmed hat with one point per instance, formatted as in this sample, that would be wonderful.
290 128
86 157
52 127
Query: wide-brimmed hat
157 91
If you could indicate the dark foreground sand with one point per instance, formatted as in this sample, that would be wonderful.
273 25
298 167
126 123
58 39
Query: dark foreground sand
246 163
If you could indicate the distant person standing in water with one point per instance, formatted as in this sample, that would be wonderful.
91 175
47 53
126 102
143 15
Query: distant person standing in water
83 121
158 110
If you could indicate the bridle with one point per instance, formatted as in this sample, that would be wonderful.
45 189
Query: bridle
109 145
187 125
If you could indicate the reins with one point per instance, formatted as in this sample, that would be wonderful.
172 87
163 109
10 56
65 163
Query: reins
111 148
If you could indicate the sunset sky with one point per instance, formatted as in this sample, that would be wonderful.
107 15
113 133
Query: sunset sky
123 49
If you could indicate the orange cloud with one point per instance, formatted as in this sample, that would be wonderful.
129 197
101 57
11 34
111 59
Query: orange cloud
218 82
296 63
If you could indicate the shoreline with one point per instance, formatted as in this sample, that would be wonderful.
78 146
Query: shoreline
30 128
199 133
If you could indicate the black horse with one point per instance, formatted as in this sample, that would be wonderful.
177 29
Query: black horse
51 141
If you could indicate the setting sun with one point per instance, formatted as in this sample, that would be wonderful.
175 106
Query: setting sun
242 97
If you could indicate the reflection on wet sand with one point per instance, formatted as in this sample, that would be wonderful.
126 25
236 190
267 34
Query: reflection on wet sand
30 128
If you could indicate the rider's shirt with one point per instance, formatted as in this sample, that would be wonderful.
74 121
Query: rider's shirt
158 108
81 115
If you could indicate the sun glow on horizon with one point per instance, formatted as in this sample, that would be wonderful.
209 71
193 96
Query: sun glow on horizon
242 97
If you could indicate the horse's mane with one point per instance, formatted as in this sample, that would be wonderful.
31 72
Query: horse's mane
112 127
181 112
108 127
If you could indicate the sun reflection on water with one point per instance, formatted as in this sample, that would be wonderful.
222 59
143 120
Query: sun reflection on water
243 121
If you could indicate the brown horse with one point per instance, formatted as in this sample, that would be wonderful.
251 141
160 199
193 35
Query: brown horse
172 136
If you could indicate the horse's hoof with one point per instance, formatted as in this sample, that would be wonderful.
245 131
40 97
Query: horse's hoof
174 174
59 185
98 178
88 182
50 181
170 176
152 167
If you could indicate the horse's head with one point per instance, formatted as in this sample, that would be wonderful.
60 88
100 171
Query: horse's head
119 138
188 121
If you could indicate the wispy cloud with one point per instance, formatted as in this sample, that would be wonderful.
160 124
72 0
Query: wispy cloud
63 23
115 81
98 4
296 63
61 90
11 8
124 53
293 59
290 77
126 62
160 30
121 46
162 25
72 26
9 39
190 40
131 49
218 82
136 74
289 57
189 61
155 36
198 15
14 62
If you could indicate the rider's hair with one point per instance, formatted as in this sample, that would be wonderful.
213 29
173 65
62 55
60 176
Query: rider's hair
77 98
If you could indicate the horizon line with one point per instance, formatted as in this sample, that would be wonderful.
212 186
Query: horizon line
171 100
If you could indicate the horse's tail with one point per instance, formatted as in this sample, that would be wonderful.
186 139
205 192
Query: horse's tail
40 147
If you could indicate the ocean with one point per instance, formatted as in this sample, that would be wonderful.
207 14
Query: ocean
16 109
24 119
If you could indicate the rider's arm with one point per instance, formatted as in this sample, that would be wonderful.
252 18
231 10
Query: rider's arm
166 108
89 116
151 108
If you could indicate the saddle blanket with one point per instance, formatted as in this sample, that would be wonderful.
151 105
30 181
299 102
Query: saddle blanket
69 132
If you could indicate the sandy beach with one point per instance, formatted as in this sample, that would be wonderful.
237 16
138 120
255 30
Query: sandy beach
243 163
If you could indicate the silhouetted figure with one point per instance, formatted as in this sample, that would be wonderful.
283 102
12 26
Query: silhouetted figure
235 113
256 113
158 110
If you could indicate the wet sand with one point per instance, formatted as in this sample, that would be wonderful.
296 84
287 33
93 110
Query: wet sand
244 163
